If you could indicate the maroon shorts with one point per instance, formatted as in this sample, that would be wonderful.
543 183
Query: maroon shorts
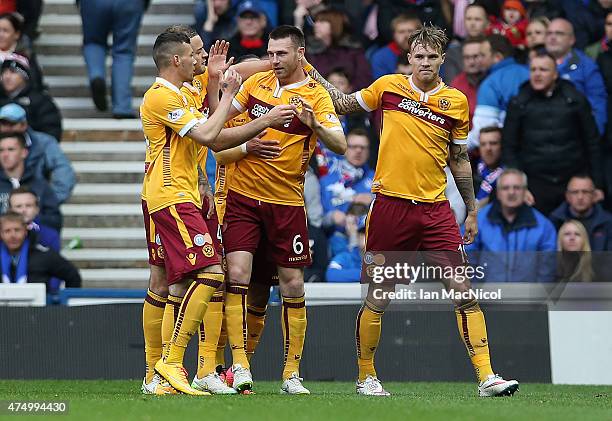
264 271
247 220
187 244
396 224
156 251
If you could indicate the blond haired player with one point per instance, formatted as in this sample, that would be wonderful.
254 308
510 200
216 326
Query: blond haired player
265 197
425 122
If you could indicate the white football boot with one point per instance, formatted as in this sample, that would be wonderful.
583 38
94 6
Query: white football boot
212 383
243 380
495 385
157 386
371 386
293 386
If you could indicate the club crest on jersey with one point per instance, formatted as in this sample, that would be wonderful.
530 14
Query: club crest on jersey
208 250
176 114
160 252
295 100
198 85
444 104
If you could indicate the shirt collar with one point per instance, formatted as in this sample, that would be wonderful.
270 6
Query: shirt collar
167 84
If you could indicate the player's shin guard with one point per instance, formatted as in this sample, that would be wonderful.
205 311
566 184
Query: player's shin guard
220 358
191 313
473 331
235 319
256 319
152 315
210 329
293 321
367 335
171 311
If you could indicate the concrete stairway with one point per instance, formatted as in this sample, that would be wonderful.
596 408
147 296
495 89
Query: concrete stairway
107 154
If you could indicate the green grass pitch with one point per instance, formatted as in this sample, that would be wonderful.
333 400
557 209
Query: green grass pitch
119 400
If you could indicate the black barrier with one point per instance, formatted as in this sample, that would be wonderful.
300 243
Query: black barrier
106 342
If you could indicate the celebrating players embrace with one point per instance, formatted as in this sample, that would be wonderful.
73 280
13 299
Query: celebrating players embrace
263 132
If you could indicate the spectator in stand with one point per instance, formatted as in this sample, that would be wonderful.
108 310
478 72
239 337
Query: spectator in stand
581 205
516 242
346 266
574 263
349 181
512 24
469 79
434 12
14 174
488 167
504 78
331 46
604 61
535 35
384 60
215 20
577 67
31 11
602 45
122 19
587 17
316 235
44 153
304 12
549 9
403 66
24 201
476 22
8 6
23 261
12 41
16 87
550 134
252 37
340 80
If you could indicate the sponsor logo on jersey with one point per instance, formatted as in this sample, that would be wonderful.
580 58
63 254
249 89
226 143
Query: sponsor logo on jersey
192 258
259 110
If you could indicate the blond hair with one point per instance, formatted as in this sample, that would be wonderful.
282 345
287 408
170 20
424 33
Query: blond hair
429 36
574 266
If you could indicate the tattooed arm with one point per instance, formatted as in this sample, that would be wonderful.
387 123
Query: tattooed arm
206 193
459 164
344 104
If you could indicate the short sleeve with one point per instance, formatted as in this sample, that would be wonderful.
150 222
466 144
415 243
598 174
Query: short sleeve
462 126
369 98
171 111
241 99
325 112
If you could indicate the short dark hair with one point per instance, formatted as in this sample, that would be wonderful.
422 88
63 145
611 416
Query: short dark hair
289 31
182 29
542 53
20 138
474 40
491 129
339 70
15 19
165 46
581 176
358 131
22 190
500 44
12 216
405 17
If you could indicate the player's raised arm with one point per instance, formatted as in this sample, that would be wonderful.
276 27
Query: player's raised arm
461 169
344 103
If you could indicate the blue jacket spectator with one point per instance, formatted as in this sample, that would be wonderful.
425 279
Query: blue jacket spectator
347 182
515 243
15 174
580 204
25 202
346 266
45 155
502 83
384 60
577 67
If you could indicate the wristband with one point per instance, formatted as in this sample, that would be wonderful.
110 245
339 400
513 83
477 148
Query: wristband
243 148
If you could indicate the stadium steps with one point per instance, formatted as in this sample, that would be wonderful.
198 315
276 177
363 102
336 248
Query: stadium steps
104 212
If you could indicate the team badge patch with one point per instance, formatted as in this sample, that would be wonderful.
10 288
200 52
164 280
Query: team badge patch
444 104
208 250
295 100
176 114
198 240
161 252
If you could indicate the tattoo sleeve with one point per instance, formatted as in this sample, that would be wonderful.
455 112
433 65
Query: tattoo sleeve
344 104
459 164
203 180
